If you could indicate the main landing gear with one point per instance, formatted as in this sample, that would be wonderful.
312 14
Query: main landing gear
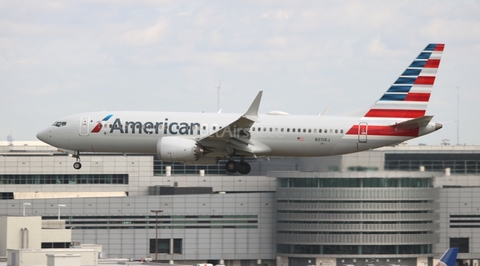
77 165
242 167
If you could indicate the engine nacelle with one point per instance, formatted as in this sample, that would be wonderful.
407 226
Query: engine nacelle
178 149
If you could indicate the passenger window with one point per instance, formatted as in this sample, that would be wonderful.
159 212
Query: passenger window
309 131
264 129
270 129
288 129
304 130
326 131
331 131
319 131
253 129
315 130
293 129
341 131
299 130
281 130
336 131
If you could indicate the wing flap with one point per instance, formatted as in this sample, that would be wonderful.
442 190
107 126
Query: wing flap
236 135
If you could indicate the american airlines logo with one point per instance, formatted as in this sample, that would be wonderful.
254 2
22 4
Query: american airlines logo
172 128
179 128
187 128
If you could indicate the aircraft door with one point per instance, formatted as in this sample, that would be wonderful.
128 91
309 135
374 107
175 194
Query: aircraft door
84 125
362 132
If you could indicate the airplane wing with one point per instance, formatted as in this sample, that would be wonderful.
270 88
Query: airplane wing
236 135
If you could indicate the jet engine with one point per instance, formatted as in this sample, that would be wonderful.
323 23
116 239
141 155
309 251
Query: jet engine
178 149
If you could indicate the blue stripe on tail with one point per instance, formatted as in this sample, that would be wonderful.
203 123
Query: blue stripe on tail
450 257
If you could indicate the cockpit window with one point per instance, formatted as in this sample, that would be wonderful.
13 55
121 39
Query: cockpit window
59 124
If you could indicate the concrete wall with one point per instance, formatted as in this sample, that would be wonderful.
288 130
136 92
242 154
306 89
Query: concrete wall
56 235
20 232
31 257
64 259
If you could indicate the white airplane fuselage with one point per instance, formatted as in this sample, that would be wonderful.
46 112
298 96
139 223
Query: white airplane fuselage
275 135
205 138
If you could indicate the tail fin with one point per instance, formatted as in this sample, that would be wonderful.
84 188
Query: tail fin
449 257
409 95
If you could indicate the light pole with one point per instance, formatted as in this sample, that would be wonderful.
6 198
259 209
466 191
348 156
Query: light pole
25 204
156 233
59 206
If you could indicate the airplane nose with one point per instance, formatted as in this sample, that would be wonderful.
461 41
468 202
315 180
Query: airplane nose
44 135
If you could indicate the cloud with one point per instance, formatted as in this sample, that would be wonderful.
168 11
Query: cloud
146 36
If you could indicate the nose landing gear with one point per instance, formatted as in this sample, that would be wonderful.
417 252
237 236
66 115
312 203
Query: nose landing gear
77 165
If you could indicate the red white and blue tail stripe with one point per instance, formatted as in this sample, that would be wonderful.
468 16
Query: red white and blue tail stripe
409 95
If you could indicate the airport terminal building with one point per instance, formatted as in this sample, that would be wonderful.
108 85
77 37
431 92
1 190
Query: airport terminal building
402 205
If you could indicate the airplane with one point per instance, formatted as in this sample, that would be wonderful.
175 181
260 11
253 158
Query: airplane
206 138
448 258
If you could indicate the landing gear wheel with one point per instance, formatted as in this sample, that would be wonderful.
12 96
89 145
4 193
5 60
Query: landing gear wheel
244 168
77 165
231 166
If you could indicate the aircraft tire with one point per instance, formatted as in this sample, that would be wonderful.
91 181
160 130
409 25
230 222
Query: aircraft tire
244 168
231 166
77 165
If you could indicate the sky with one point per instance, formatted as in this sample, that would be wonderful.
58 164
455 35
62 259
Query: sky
59 58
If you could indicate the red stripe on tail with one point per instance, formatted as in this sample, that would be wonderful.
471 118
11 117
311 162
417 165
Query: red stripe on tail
417 97
385 131
397 113
424 80
439 47
432 63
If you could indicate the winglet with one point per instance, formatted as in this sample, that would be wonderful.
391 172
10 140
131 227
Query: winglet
449 257
324 112
252 112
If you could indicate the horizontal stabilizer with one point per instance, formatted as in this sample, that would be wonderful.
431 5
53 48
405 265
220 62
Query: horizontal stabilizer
413 123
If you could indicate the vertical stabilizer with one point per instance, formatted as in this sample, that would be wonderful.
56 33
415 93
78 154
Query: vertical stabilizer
409 95
449 257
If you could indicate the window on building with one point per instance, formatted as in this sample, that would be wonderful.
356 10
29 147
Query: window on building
56 245
462 243
164 246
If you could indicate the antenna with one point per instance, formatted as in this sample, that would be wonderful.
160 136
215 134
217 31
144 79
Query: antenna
458 115
218 95
10 139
